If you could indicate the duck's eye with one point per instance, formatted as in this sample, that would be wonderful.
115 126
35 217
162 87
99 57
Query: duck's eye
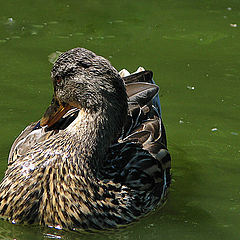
58 80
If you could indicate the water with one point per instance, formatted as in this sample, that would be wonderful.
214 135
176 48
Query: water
193 49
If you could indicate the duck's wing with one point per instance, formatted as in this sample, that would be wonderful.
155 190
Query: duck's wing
35 134
140 159
141 76
144 114
27 138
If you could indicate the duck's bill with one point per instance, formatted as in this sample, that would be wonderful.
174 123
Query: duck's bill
54 113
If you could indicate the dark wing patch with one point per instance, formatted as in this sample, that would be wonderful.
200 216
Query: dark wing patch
141 93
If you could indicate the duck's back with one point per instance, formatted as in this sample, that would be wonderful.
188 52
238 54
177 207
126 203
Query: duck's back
140 158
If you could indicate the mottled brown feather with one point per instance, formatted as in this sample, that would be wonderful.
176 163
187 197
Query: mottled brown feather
93 168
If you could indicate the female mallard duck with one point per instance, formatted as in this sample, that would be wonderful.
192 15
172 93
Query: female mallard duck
98 158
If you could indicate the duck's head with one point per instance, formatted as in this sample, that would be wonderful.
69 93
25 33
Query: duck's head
83 80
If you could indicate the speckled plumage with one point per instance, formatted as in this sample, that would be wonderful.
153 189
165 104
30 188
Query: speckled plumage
101 161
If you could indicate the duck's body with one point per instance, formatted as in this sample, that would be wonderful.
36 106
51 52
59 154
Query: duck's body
97 159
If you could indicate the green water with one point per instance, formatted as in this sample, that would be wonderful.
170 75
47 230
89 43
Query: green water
193 49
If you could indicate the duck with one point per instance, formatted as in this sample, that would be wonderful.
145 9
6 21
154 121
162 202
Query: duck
98 157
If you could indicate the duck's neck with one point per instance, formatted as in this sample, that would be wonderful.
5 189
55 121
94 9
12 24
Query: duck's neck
93 133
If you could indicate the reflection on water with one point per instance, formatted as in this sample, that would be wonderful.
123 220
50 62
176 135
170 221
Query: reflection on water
192 48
